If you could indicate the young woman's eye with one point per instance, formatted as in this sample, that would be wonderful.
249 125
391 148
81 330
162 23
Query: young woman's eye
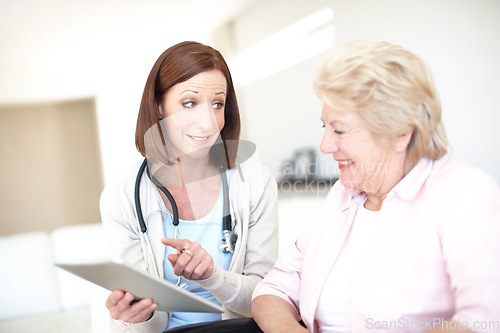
189 104
218 105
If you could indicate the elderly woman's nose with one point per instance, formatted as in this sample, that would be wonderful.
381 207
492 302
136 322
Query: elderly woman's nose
328 144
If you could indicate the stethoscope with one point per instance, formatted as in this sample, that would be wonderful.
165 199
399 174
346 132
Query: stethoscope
226 244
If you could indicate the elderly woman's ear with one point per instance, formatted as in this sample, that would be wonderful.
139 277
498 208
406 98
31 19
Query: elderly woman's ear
403 140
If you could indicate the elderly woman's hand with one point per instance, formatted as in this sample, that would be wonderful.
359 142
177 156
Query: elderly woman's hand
122 307
191 260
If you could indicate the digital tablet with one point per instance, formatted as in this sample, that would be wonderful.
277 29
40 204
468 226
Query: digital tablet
113 275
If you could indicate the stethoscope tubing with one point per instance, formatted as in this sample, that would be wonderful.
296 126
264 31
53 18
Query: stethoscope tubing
137 200
226 244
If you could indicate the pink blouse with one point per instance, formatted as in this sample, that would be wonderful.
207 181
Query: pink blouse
435 257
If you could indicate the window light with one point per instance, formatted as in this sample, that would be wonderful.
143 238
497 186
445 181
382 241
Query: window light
299 41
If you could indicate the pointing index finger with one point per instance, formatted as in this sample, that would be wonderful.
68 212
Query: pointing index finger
175 243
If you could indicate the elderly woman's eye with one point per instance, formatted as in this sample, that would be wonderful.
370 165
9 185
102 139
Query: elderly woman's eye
189 104
337 131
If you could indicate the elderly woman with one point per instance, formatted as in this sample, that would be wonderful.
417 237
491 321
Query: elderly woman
408 239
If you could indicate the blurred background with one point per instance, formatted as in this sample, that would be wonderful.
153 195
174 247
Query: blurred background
72 75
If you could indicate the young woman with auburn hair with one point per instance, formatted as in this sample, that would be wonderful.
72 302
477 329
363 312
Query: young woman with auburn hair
187 191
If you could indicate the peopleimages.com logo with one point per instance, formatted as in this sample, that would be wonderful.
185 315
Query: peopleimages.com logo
431 323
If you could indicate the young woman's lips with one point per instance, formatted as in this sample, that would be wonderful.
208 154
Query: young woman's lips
199 139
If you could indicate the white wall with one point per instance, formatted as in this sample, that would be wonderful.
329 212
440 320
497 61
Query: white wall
458 38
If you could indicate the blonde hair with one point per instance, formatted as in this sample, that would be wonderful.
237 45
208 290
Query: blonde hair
390 89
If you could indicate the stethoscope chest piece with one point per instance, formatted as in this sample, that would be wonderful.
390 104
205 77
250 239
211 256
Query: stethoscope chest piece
227 244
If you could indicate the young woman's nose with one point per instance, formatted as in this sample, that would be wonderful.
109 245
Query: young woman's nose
206 119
